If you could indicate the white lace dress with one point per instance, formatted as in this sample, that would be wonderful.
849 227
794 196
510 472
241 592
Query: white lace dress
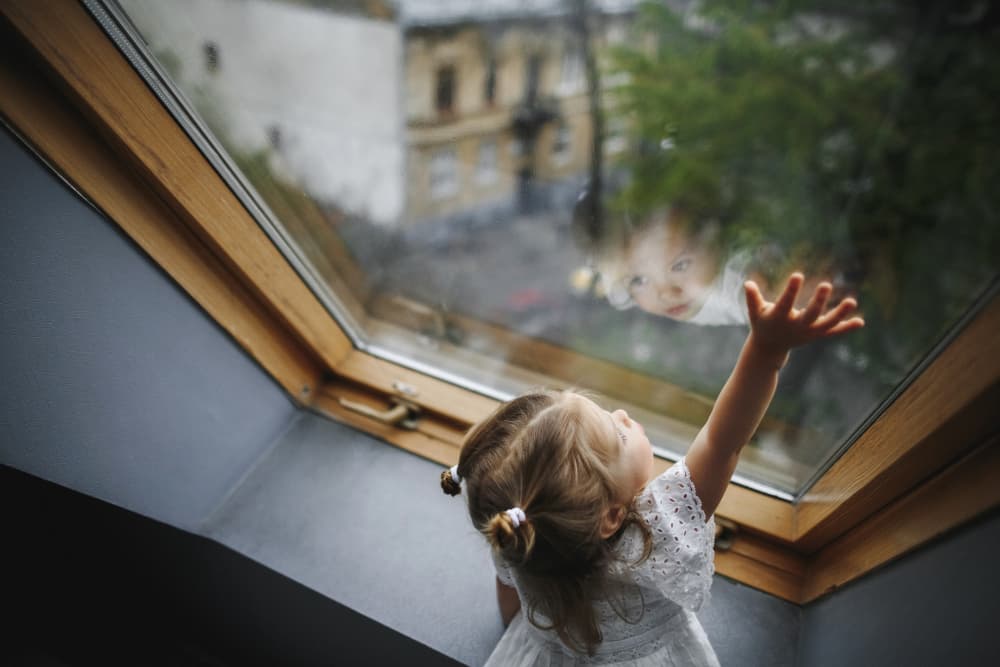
660 595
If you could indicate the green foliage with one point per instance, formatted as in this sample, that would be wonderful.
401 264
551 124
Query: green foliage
767 121
861 136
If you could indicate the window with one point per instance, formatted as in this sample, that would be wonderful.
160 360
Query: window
444 97
718 185
571 79
562 145
614 140
443 174
921 223
616 33
490 85
274 137
532 73
211 51
486 165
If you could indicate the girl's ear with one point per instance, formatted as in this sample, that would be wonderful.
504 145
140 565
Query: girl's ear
612 521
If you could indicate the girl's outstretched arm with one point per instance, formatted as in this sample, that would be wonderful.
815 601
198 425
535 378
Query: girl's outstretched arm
775 328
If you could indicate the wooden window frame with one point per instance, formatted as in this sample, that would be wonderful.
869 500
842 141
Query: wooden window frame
927 464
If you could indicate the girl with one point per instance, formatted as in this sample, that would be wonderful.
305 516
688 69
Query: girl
596 563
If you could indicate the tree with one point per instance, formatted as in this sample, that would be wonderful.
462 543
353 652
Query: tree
860 135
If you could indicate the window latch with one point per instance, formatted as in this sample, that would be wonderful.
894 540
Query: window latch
402 414
725 533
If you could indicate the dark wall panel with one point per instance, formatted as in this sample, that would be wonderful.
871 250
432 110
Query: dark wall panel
938 606
750 628
87 583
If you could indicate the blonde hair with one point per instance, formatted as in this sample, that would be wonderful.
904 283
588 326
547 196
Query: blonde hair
544 453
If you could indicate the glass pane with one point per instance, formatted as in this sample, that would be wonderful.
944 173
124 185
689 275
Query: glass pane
434 162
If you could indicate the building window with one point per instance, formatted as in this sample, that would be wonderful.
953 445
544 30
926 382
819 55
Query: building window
562 146
274 137
486 165
615 34
444 98
516 147
532 73
571 71
490 85
615 140
211 51
444 174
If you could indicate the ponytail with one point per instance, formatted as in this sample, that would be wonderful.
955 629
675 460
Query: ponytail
511 534
451 481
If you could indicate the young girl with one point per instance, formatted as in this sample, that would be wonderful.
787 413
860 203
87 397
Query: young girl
597 563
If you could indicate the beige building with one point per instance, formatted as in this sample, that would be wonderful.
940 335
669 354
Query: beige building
469 77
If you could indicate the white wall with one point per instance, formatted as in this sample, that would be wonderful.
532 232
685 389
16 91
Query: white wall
330 82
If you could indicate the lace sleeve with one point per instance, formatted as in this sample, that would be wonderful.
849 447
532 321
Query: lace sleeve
503 570
681 563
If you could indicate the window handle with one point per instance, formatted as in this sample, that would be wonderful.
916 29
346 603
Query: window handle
402 413
725 533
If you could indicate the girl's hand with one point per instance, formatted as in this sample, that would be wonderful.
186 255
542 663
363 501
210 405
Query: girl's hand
778 327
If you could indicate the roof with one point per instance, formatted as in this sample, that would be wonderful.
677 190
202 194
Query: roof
414 13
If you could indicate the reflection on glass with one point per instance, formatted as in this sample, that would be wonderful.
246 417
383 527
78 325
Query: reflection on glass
435 163
669 266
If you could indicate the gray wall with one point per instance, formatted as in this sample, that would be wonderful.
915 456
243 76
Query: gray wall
749 628
938 606
114 382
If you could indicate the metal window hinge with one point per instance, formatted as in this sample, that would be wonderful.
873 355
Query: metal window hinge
402 413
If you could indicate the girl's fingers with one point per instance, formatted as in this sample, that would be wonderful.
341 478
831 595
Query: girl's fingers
785 302
837 314
817 303
849 325
755 302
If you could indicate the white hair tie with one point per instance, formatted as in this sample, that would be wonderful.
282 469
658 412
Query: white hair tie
454 474
516 515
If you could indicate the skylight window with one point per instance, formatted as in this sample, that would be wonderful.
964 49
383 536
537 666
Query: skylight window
766 139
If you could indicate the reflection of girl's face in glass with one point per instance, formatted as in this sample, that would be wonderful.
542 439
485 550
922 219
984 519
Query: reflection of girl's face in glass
673 270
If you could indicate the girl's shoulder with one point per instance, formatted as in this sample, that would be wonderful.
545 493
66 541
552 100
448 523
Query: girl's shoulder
670 507
673 489
680 563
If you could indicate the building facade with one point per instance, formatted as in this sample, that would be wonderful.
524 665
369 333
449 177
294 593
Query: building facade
498 105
